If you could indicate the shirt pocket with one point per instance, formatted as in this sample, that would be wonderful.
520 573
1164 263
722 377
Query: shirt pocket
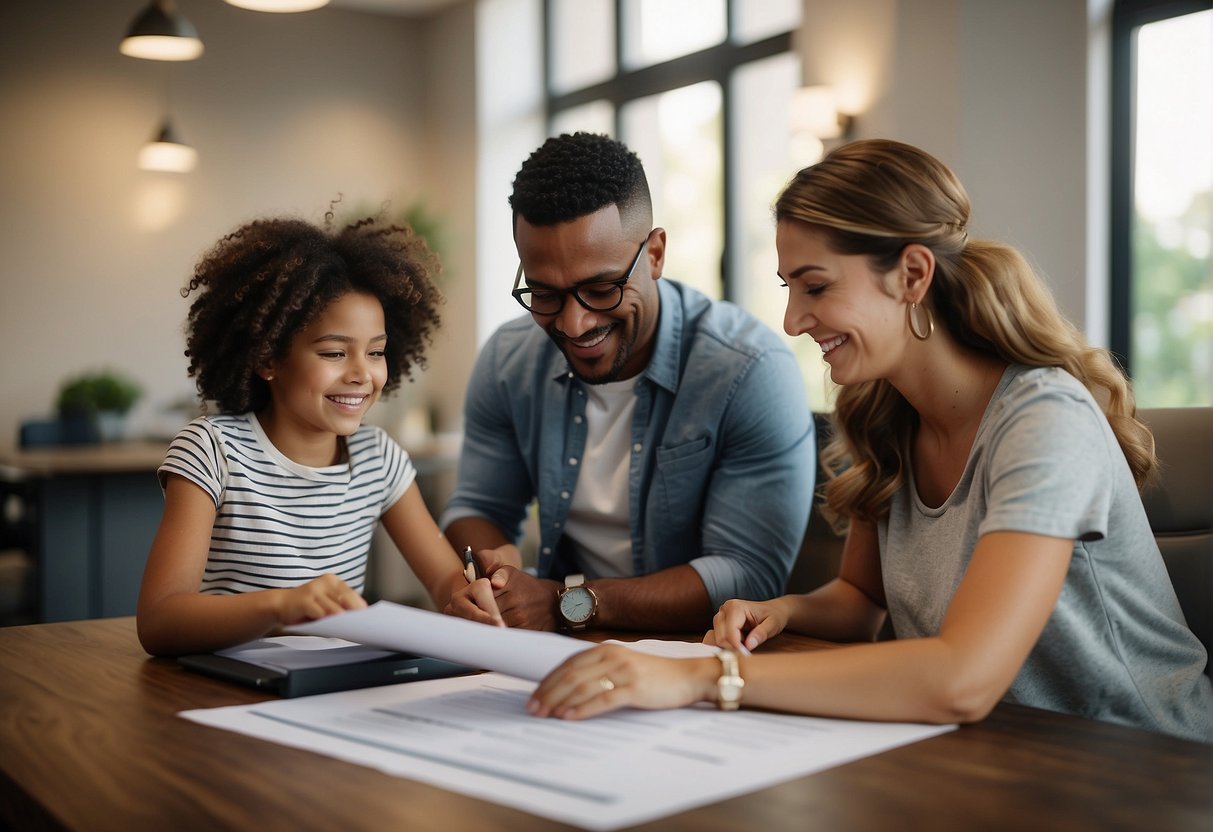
681 457
682 479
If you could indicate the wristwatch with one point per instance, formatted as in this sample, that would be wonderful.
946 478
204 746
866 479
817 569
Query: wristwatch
730 684
577 602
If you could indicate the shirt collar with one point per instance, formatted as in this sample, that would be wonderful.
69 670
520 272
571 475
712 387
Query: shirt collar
665 358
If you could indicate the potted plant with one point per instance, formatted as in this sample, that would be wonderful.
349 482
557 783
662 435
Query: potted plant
94 406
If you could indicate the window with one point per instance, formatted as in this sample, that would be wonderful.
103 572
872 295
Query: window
679 135
701 90
1162 199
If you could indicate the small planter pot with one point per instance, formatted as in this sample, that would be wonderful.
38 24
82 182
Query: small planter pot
111 426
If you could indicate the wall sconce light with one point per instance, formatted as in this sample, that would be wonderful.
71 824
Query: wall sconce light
278 5
160 34
815 119
166 153
815 111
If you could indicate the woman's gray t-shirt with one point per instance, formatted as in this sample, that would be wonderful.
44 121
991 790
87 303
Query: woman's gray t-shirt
1045 461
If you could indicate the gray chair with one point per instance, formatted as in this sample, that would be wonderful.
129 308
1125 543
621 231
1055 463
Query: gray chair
1180 508
821 550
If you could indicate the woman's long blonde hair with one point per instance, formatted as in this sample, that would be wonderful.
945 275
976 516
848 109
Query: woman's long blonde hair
874 197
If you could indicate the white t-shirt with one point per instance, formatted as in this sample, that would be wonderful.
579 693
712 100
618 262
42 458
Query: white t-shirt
279 524
598 526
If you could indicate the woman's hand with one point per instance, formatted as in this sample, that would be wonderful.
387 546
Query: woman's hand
318 598
610 676
743 625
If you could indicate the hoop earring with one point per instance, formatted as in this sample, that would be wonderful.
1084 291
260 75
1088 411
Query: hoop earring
921 332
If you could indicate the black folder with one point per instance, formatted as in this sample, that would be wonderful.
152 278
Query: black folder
326 671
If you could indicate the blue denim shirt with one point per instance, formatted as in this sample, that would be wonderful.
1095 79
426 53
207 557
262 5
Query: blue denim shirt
723 450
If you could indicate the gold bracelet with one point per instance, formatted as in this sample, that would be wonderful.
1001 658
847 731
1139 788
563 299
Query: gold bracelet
730 684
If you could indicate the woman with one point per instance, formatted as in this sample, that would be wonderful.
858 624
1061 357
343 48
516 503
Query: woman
986 463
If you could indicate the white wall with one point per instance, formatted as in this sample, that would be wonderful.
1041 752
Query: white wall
449 154
510 125
286 111
997 90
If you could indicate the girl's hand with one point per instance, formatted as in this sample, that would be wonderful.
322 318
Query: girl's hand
473 601
743 625
318 598
609 676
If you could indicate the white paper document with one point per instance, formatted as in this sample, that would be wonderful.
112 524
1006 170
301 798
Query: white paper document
527 654
472 735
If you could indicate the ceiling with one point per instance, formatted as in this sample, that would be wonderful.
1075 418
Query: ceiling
404 8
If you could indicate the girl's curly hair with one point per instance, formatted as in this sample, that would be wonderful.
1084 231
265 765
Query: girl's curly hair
267 280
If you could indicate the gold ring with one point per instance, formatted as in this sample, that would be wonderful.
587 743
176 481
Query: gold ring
606 684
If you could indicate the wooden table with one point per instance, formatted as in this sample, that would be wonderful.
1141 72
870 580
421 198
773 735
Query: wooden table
89 740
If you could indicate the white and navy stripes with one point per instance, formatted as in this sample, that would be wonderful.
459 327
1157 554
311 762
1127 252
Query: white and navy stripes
279 524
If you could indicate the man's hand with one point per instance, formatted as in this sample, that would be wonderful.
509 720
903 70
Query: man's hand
475 601
525 601
490 560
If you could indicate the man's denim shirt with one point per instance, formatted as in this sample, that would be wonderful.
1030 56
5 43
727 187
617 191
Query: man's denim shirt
723 451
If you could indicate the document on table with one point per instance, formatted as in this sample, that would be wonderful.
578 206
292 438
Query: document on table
472 735
527 654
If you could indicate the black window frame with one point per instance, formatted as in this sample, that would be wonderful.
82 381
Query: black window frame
715 63
1127 17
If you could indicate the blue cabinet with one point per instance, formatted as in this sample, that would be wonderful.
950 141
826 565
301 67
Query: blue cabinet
94 512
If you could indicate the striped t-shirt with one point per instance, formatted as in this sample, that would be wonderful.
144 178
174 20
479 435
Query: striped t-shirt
279 524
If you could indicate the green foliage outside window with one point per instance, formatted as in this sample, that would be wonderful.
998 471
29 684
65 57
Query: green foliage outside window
1172 359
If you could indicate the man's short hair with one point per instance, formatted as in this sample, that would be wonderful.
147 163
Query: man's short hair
573 175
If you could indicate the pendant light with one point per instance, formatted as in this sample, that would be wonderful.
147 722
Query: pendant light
278 5
160 34
166 153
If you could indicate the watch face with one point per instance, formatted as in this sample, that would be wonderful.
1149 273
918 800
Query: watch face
577 605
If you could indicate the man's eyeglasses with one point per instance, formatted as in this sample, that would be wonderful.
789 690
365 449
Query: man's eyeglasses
599 296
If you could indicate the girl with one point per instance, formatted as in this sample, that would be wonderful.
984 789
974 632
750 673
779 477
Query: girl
269 508
987 462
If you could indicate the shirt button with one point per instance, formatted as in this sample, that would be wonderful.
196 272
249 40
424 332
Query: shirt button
637 447
564 495
570 374
577 420
572 460
547 550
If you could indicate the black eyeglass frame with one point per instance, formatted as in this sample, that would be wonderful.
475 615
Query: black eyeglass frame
575 291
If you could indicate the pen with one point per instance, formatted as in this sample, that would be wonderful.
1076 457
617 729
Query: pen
471 569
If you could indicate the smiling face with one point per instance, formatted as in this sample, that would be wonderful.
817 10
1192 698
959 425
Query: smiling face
841 303
332 374
600 346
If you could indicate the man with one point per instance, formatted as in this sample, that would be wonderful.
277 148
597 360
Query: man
666 436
